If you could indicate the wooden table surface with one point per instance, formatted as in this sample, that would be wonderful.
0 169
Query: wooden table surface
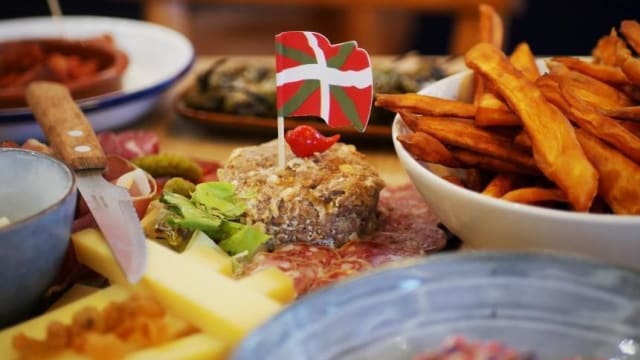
185 136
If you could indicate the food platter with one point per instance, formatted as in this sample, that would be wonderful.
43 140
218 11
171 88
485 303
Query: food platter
268 126
317 255
158 56
407 72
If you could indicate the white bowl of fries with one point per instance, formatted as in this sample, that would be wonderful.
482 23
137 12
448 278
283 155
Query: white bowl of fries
539 216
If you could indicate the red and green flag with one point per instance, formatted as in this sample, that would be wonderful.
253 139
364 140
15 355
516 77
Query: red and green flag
317 78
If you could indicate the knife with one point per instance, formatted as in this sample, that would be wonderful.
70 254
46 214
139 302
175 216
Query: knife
73 138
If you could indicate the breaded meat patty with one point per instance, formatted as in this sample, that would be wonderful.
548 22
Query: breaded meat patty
324 199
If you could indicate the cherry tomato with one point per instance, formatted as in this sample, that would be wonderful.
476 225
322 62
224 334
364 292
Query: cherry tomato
304 140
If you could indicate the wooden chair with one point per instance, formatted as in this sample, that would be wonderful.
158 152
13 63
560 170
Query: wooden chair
367 21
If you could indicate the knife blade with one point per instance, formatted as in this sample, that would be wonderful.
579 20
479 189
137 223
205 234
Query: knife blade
74 140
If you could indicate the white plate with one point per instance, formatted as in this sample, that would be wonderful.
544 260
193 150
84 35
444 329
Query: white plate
158 56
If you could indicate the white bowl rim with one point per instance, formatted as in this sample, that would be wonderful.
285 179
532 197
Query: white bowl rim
407 160
68 191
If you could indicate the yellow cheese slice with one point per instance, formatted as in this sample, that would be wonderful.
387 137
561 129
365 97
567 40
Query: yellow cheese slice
272 282
214 303
193 347
188 288
77 292
202 247
92 250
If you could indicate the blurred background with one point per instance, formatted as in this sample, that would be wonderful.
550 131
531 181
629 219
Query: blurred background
380 26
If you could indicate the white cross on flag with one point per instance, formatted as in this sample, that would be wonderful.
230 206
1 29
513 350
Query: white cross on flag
316 78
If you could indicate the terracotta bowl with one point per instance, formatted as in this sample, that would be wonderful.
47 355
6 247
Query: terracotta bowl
107 77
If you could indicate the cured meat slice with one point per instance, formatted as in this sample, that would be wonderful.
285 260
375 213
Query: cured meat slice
422 241
129 144
342 269
407 228
374 252
322 255
407 224
402 209
209 170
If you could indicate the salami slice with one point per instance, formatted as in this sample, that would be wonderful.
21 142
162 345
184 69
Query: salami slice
322 255
402 209
407 228
341 270
373 252
427 240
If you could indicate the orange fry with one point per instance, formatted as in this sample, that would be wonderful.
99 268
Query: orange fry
491 26
491 30
631 91
589 118
605 73
522 140
591 89
626 113
492 111
555 147
465 135
501 184
425 147
424 104
631 31
619 176
632 126
611 50
522 58
631 68
532 195
471 159
551 91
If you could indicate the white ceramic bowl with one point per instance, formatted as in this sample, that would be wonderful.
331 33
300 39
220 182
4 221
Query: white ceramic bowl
488 223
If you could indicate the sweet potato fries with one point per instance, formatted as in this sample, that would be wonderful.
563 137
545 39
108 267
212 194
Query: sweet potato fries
568 138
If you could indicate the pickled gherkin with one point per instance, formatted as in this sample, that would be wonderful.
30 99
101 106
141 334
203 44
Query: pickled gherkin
173 165
180 186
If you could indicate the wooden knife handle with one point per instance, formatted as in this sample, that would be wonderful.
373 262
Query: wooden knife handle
64 124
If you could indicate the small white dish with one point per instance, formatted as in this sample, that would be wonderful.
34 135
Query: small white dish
158 56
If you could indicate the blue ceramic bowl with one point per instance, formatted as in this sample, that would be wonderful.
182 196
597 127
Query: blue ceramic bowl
553 305
38 196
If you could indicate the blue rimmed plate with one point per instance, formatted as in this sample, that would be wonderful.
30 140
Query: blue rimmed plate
158 57
555 306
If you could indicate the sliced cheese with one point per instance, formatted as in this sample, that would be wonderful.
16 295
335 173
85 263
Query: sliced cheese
93 251
193 347
272 282
216 304
77 292
202 247
37 327
187 287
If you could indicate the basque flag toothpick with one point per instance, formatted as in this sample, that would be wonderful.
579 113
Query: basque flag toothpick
317 78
